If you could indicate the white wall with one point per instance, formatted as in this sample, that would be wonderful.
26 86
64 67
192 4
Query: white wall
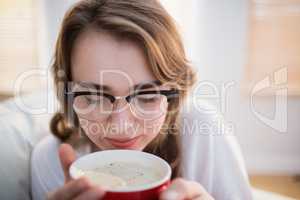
215 36
51 13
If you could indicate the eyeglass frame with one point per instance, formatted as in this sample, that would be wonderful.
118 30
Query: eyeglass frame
170 94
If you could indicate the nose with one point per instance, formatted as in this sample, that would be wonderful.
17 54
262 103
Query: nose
121 120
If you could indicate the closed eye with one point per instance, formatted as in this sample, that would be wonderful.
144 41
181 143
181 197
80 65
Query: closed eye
148 98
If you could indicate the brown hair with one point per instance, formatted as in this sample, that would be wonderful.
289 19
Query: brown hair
148 24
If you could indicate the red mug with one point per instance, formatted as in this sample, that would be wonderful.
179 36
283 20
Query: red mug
149 191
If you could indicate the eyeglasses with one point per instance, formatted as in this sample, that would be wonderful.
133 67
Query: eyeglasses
98 105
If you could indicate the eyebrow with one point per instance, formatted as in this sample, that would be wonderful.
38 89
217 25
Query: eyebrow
140 86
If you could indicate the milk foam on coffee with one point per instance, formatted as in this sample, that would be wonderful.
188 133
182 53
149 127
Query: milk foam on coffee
121 174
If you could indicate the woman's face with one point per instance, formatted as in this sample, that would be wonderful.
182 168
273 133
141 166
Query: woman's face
116 66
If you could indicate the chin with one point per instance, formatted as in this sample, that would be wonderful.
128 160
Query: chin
136 148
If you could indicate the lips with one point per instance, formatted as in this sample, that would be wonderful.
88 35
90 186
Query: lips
123 143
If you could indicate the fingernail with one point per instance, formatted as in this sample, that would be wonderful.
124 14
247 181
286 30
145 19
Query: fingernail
171 195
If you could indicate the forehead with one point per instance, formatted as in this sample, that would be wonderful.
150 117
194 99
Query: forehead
101 58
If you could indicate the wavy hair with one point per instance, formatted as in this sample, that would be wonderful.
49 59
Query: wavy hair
146 23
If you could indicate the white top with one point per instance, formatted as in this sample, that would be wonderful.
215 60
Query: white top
211 156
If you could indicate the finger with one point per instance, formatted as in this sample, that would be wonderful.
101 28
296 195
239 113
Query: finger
71 189
203 198
67 157
94 193
182 189
206 196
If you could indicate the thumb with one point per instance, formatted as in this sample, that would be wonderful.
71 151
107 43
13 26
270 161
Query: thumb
67 157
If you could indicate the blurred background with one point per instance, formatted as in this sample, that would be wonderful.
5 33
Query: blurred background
247 53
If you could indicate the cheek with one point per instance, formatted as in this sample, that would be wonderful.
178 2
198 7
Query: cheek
93 130
151 130
152 127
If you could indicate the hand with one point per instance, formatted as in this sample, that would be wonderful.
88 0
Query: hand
79 189
181 189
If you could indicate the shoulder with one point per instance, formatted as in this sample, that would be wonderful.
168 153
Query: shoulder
202 126
199 129
205 127
202 118
46 171
211 153
45 152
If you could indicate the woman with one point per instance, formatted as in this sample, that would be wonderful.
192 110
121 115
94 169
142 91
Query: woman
122 77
